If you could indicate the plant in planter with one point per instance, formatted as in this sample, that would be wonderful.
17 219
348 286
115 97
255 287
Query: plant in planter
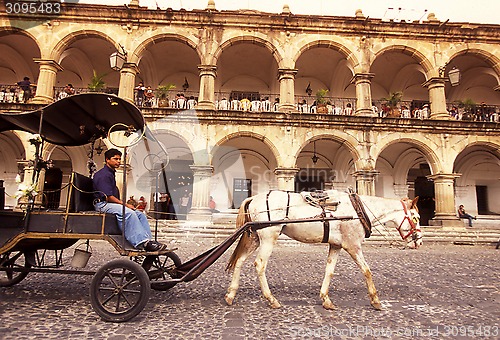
392 102
321 99
97 82
469 107
162 94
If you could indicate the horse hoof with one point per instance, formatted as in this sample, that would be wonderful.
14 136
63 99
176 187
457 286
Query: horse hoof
328 305
275 305
229 300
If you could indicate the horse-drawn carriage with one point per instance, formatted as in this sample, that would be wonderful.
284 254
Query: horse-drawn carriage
120 289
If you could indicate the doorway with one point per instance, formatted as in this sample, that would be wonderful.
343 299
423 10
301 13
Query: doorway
482 200
424 189
242 189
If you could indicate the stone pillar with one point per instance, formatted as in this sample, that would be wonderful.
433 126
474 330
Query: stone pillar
363 94
445 200
206 99
119 178
286 78
286 178
29 171
401 190
437 98
365 181
46 81
127 81
201 193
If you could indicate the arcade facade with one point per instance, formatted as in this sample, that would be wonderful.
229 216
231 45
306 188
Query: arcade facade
230 153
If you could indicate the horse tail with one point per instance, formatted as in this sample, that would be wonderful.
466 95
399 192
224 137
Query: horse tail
248 241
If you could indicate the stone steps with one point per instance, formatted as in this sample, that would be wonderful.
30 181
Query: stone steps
481 233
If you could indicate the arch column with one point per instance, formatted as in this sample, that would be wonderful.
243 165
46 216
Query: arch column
445 200
286 178
286 79
437 98
201 192
401 190
46 80
127 81
365 181
362 82
206 99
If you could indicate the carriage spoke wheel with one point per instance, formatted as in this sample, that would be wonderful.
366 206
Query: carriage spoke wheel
119 290
160 269
10 261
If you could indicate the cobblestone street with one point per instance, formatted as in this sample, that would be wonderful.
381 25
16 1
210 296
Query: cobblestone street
438 290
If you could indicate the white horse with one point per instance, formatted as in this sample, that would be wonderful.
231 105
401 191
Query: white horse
347 234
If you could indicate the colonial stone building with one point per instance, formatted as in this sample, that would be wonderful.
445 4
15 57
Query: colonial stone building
257 123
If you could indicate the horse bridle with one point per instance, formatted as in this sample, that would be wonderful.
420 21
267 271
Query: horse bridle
412 220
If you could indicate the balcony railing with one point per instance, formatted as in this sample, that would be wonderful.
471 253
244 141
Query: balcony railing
259 102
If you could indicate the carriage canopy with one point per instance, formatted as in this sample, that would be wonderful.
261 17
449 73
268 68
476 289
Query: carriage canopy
76 120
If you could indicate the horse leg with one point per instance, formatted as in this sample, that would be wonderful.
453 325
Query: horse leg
249 245
265 250
333 255
357 256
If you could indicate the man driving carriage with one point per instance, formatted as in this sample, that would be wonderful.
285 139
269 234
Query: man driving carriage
137 229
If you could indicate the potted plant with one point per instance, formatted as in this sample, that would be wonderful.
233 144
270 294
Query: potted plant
162 94
392 102
469 107
321 100
97 82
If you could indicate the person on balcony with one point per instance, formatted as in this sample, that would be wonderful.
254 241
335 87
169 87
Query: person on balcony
191 103
223 104
348 110
139 94
25 85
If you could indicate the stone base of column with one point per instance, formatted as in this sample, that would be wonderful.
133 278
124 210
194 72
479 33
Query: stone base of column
200 215
205 105
285 108
42 100
365 113
447 222
441 115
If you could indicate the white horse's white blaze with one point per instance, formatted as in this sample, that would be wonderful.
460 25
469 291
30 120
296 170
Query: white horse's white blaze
343 234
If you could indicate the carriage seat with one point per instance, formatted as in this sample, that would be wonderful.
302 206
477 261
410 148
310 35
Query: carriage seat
81 200
318 199
82 193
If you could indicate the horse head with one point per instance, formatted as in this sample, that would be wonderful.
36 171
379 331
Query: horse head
412 220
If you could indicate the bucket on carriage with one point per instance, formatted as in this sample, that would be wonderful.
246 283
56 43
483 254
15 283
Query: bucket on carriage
81 257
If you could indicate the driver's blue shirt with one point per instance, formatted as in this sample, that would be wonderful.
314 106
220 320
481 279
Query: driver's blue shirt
105 183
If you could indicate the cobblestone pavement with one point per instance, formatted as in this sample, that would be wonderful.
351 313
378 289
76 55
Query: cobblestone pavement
438 290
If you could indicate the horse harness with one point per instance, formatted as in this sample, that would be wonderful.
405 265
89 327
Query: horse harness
318 199
412 220
357 204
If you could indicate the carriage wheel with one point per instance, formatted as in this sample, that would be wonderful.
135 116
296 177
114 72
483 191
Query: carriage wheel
160 268
119 290
12 260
